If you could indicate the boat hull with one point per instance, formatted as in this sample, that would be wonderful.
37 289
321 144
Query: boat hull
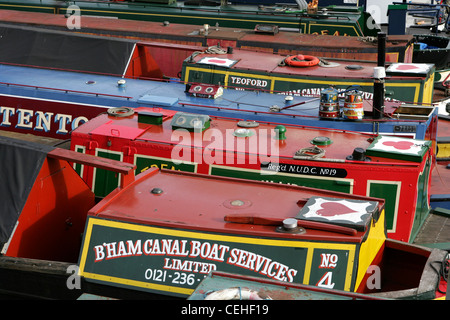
398 48
337 21
36 279
195 254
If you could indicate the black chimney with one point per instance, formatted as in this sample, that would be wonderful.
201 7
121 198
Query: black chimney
378 85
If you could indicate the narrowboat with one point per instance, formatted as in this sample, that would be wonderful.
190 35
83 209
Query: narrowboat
40 236
52 103
169 230
394 168
305 75
42 222
434 49
335 20
399 48
234 68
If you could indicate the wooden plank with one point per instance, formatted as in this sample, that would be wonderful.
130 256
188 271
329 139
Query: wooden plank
123 168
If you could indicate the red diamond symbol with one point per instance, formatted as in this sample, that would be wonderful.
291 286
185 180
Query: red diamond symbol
405 67
330 209
400 145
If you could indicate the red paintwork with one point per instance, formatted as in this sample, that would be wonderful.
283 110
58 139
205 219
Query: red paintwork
352 47
396 259
100 129
130 138
182 204
53 218
154 59
261 62
443 129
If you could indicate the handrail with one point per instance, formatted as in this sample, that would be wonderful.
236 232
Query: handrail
65 90
126 170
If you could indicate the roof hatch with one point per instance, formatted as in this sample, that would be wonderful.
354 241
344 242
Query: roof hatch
191 122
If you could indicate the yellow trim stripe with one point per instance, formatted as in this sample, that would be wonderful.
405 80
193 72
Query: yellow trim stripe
182 16
139 284
204 236
333 25
14 6
272 79
143 156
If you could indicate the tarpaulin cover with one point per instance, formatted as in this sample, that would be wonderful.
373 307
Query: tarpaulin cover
64 50
20 162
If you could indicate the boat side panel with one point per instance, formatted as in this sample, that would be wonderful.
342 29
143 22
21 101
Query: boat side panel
174 261
57 207
330 176
368 253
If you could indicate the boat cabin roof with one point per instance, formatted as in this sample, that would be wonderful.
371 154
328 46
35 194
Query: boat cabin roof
139 27
329 68
100 92
156 125
104 90
176 199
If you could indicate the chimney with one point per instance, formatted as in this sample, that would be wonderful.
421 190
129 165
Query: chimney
378 76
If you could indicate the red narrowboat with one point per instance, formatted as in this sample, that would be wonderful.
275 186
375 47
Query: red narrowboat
168 230
394 168
328 239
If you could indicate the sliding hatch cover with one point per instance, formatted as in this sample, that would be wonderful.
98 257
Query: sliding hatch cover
20 162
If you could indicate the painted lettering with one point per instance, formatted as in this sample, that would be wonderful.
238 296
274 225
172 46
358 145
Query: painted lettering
326 281
188 266
136 248
199 256
40 121
306 170
24 119
257 83
328 260
63 120
99 253
207 251
263 265
43 121
7 113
